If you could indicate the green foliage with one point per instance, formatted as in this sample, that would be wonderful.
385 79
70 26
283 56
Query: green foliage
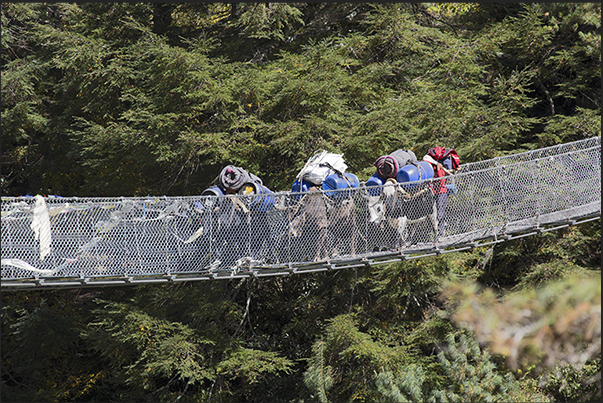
319 375
561 128
44 358
566 383
269 20
473 376
532 260
551 323
41 334
468 374
253 365
343 361
405 388
150 353
407 289
191 356
127 102
121 99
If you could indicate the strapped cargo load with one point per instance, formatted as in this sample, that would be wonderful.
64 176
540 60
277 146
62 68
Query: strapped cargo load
401 165
325 171
321 165
233 178
389 165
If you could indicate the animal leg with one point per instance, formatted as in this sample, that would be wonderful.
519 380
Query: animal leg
347 233
321 246
434 221
402 223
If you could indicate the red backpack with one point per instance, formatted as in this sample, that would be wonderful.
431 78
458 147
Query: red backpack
441 154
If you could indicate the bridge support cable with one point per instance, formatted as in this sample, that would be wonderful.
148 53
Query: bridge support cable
67 242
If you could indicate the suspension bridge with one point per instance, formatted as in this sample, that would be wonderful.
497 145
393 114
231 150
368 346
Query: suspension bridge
65 242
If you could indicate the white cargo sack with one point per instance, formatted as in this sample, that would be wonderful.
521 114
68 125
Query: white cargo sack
321 165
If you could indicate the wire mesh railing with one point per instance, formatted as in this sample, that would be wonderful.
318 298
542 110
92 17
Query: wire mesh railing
74 241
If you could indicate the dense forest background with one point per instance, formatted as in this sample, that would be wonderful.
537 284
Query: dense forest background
131 99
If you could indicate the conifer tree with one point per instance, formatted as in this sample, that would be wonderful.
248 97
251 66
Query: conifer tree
122 99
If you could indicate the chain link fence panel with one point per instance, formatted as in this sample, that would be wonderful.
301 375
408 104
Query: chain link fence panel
84 241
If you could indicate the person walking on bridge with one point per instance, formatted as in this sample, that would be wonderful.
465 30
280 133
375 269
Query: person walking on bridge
445 161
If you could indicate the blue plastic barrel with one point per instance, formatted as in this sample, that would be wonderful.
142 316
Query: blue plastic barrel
410 173
210 201
260 197
333 185
213 191
374 180
302 187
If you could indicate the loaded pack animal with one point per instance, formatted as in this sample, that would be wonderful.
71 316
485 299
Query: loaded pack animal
403 207
321 218
396 210
315 219
238 231
399 213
